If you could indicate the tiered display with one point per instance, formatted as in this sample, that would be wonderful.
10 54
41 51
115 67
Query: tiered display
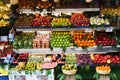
65 34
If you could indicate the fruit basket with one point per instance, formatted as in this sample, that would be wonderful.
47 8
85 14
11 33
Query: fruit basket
103 69
69 69
69 72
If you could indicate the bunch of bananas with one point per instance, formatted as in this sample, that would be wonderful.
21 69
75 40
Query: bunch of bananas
20 66
4 11
38 66
3 7
3 72
30 66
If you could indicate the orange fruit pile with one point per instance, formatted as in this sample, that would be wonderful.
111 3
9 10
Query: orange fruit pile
103 68
83 39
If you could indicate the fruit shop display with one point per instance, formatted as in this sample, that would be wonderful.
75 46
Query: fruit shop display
44 5
97 21
59 22
69 69
111 11
4 18
42 40
59 58
70 58
24 20
84 60
41 21
79 19
24 40
105 38
103 69
60 39
105 59
20 66
26 4
84 39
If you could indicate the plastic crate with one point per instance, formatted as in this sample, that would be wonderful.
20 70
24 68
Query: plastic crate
4 78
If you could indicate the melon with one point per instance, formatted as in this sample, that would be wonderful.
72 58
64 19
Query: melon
49 65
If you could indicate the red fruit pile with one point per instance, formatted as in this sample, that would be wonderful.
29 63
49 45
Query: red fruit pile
3 43
42 21
99 58
21 57
79 19
105 39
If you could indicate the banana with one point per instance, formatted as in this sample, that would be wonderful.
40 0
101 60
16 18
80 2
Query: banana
39 66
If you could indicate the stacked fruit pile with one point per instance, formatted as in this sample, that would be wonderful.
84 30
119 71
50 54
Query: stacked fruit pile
4 11
57 22
24 20
83 39
84 60
61 39
26 4
41 20
111 11
70 58
105 39
23 57
44 5
20 66
101 59
99 21
41 41
79 19
23 41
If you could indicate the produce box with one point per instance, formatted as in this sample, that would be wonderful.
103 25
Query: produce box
4 78
105 38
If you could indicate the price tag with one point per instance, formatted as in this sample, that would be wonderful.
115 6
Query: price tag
88 30
4 38
118 45
109 29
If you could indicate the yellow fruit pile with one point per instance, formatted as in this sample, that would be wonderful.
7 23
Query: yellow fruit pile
3 72
111 11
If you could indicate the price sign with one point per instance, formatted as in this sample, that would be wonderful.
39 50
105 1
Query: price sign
109 29
88 30
4 38
20 77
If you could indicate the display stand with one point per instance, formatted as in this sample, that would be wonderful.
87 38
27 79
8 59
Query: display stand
104 77
32 75
70 77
